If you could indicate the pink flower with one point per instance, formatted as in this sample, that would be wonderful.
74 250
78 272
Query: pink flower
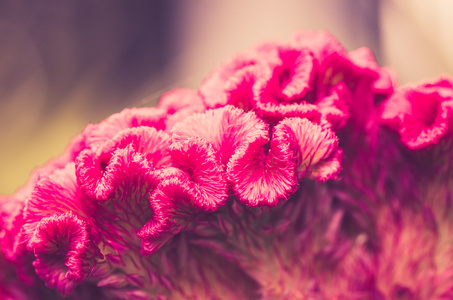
313 77
226 129
420 113
231 202
384 85
319 156
182 196
128 156
57 193
197 183
298 148
261 170
354 74
162 224
264 173
232 82
322 43
95 135
180 103
11 223
206 183
12 243
65 254
122 207
241 140
136 161
280 89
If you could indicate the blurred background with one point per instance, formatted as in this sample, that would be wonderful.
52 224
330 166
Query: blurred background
64 64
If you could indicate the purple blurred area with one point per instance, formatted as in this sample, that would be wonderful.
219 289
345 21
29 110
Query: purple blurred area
64 64
120 44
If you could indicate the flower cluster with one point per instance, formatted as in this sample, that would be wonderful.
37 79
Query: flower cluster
296 170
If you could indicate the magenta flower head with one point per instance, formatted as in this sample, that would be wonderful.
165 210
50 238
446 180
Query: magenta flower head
422 113
311 77
232 82
65 254
280 177
180 103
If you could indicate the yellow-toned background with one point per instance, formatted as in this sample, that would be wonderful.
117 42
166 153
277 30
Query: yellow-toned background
64 64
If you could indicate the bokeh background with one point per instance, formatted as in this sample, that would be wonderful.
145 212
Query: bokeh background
64 64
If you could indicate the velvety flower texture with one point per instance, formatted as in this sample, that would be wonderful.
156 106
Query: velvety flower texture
421 113
260 169
65 254
294 171
312 77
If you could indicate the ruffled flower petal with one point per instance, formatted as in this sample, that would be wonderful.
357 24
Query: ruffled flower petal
339 77
298 148
11 221
94 179
206 183
127 157
337 68
291 78
95 135
120 217
65 254
179 104
319 156
165 200
121 178
239 90
12 244
152 143
358 72
421 113
264 172
132 178
122 196
232 82
197 185
178 99
58 193
363 57
334 106
321 43
280 91
226 129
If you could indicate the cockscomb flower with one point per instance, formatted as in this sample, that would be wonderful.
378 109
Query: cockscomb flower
95 135
180 103
12 244
226 129
65 254
11 224
313 76
275 179
241 140
385 84
100 174
206 175
420 113
231 83
183 196
319 156
280 89
58 193
267 172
